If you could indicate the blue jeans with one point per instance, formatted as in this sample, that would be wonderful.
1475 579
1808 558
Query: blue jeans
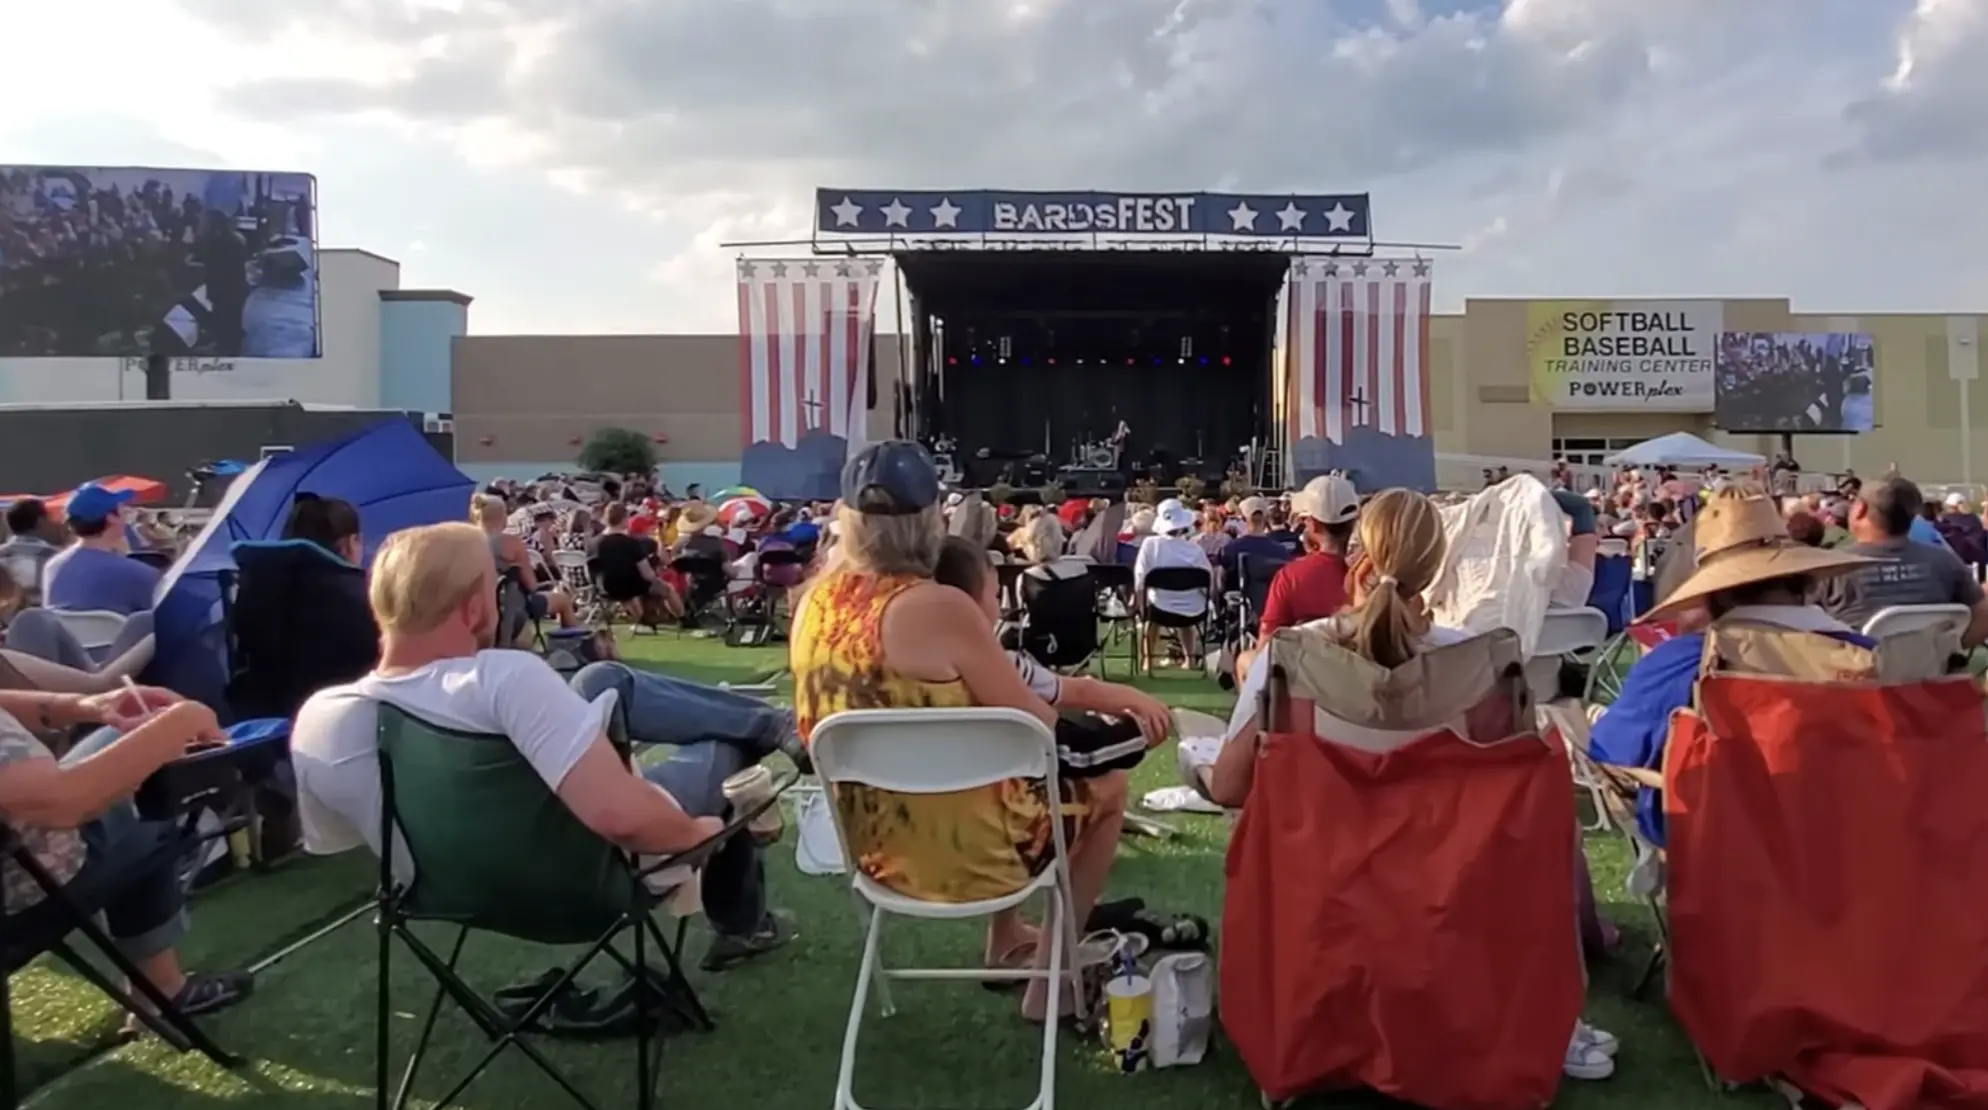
130 871
715 734
40 633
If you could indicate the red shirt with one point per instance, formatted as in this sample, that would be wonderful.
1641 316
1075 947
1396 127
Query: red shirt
1310 587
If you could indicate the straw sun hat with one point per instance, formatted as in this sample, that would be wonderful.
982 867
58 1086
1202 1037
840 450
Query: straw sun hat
1740 538
696 516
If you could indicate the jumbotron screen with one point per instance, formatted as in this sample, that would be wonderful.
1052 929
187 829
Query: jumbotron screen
1795 382
177 262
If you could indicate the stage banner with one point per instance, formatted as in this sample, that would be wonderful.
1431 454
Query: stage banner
1623 356
913 213
805 328
1357 372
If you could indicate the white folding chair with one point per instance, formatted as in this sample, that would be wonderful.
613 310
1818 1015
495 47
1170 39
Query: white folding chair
579 580
942 751
1897 619
1564 634
95 629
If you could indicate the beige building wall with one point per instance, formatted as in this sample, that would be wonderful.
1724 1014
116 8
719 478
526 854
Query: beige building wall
1482 403
532 399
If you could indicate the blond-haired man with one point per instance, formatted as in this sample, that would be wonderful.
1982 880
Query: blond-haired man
433 593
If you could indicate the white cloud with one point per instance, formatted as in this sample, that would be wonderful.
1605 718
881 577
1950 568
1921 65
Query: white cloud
582 161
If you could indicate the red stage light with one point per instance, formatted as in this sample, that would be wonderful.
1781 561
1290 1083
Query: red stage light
1052 362
1225 360
952 361
1128 362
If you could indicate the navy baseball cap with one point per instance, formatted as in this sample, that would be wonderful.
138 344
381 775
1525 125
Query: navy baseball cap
92 502
894 478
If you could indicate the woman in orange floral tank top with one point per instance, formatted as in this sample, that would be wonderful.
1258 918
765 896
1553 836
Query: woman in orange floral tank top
873 631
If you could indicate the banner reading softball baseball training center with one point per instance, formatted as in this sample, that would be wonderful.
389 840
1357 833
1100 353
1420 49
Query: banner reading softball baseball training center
1624 356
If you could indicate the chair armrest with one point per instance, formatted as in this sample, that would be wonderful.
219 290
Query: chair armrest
699 854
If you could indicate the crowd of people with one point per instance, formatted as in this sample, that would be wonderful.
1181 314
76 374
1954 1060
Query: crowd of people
898 599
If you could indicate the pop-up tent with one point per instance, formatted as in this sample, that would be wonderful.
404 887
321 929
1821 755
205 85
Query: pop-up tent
1683 449
388 472
144 491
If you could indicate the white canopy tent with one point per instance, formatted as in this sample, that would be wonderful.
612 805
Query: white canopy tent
1683 449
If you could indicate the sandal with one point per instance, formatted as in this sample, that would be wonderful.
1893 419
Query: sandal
1023 955
1182 933
215 990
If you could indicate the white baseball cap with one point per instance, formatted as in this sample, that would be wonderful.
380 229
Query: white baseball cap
1328 499
1253 506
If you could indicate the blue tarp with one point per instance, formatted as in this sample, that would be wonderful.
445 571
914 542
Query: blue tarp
388 472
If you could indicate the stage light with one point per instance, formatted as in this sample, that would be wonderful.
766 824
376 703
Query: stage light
1225 360
1025 360
1158 361
1052 362
1001 362
1129 361
975 360
1204 360
952 360
1183 362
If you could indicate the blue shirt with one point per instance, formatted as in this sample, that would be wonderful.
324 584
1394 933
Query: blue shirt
1634 730
81 577
1926 532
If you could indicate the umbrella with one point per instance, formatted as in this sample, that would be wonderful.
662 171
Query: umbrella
740 512
387 471
725 495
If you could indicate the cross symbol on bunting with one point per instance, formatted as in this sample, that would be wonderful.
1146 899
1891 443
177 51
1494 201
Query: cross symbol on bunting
814 410
1358 401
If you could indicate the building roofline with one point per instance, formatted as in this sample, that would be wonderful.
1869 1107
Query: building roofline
449 295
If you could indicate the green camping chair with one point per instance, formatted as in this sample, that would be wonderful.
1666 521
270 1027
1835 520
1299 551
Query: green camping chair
495 850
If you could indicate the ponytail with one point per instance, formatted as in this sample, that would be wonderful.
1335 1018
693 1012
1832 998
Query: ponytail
1386 627
1402 544
325 521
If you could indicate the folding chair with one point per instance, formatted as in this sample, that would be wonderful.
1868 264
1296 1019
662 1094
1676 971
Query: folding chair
1898 620
1566 635
1255 574
578 576
95 629
495 850
1060 623
943 751
48 926
1176 580
1112 583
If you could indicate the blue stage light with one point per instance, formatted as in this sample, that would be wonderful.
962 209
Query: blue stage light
975 360
1204 360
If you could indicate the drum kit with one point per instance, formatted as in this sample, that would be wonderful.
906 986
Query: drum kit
1100 454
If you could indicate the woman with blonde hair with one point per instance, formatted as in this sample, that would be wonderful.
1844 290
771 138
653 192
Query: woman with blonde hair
1040 539
875 631
507 549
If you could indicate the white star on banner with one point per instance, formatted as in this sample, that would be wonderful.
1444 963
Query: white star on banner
945 213
1291 217
1243 217
895 213
1338 217
846 212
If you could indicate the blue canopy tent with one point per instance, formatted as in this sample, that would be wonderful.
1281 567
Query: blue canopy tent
388 472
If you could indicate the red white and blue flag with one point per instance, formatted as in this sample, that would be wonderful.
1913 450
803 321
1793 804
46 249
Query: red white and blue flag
1357 347
804 346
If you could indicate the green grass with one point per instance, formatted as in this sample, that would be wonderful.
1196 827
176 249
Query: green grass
308 1032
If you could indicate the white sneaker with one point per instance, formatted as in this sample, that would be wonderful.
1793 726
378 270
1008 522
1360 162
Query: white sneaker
1590 1053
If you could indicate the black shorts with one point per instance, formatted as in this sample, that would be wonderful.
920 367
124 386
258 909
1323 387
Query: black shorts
1088 745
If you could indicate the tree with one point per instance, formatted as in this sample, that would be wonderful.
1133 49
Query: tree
618 451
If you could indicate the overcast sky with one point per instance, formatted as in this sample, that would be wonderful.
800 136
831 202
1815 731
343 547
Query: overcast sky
575 164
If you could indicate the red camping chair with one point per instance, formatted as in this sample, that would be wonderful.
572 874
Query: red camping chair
1828 889
1400 917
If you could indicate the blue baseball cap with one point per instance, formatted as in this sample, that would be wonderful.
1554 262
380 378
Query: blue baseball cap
92 502
894 478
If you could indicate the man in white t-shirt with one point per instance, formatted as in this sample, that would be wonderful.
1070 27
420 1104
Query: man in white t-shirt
1170 547
433 593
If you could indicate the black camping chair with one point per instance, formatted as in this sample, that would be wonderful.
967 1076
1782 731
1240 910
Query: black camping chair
1255 573
514 613
1175 625
705 579
1060 621
495 850
1111 585
51 927
755 615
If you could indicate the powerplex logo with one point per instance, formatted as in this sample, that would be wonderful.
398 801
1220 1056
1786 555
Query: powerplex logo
1624 391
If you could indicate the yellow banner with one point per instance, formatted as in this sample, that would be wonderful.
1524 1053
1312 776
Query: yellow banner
1623 355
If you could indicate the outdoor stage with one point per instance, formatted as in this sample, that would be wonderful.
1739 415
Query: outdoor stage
1090 340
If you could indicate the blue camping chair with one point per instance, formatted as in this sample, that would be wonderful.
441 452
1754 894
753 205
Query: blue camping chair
1614 574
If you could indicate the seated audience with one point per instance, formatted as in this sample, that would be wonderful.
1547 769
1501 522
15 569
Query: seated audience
434 594
543 544
300 618
625 571
1313 586
1170 547
35 536
508 552
75 817
96 571
1040 541
1747 570
873 631
1805 529
1402 546
1958 524
1913 573
1254 542
1572 589
1214 534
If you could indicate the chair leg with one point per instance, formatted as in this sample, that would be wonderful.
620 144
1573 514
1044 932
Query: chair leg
645 1095
845 1083
427 1027
1057 921
162 1017
692 1008
383 1009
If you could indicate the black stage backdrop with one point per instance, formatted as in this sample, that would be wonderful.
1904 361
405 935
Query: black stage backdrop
1042 350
